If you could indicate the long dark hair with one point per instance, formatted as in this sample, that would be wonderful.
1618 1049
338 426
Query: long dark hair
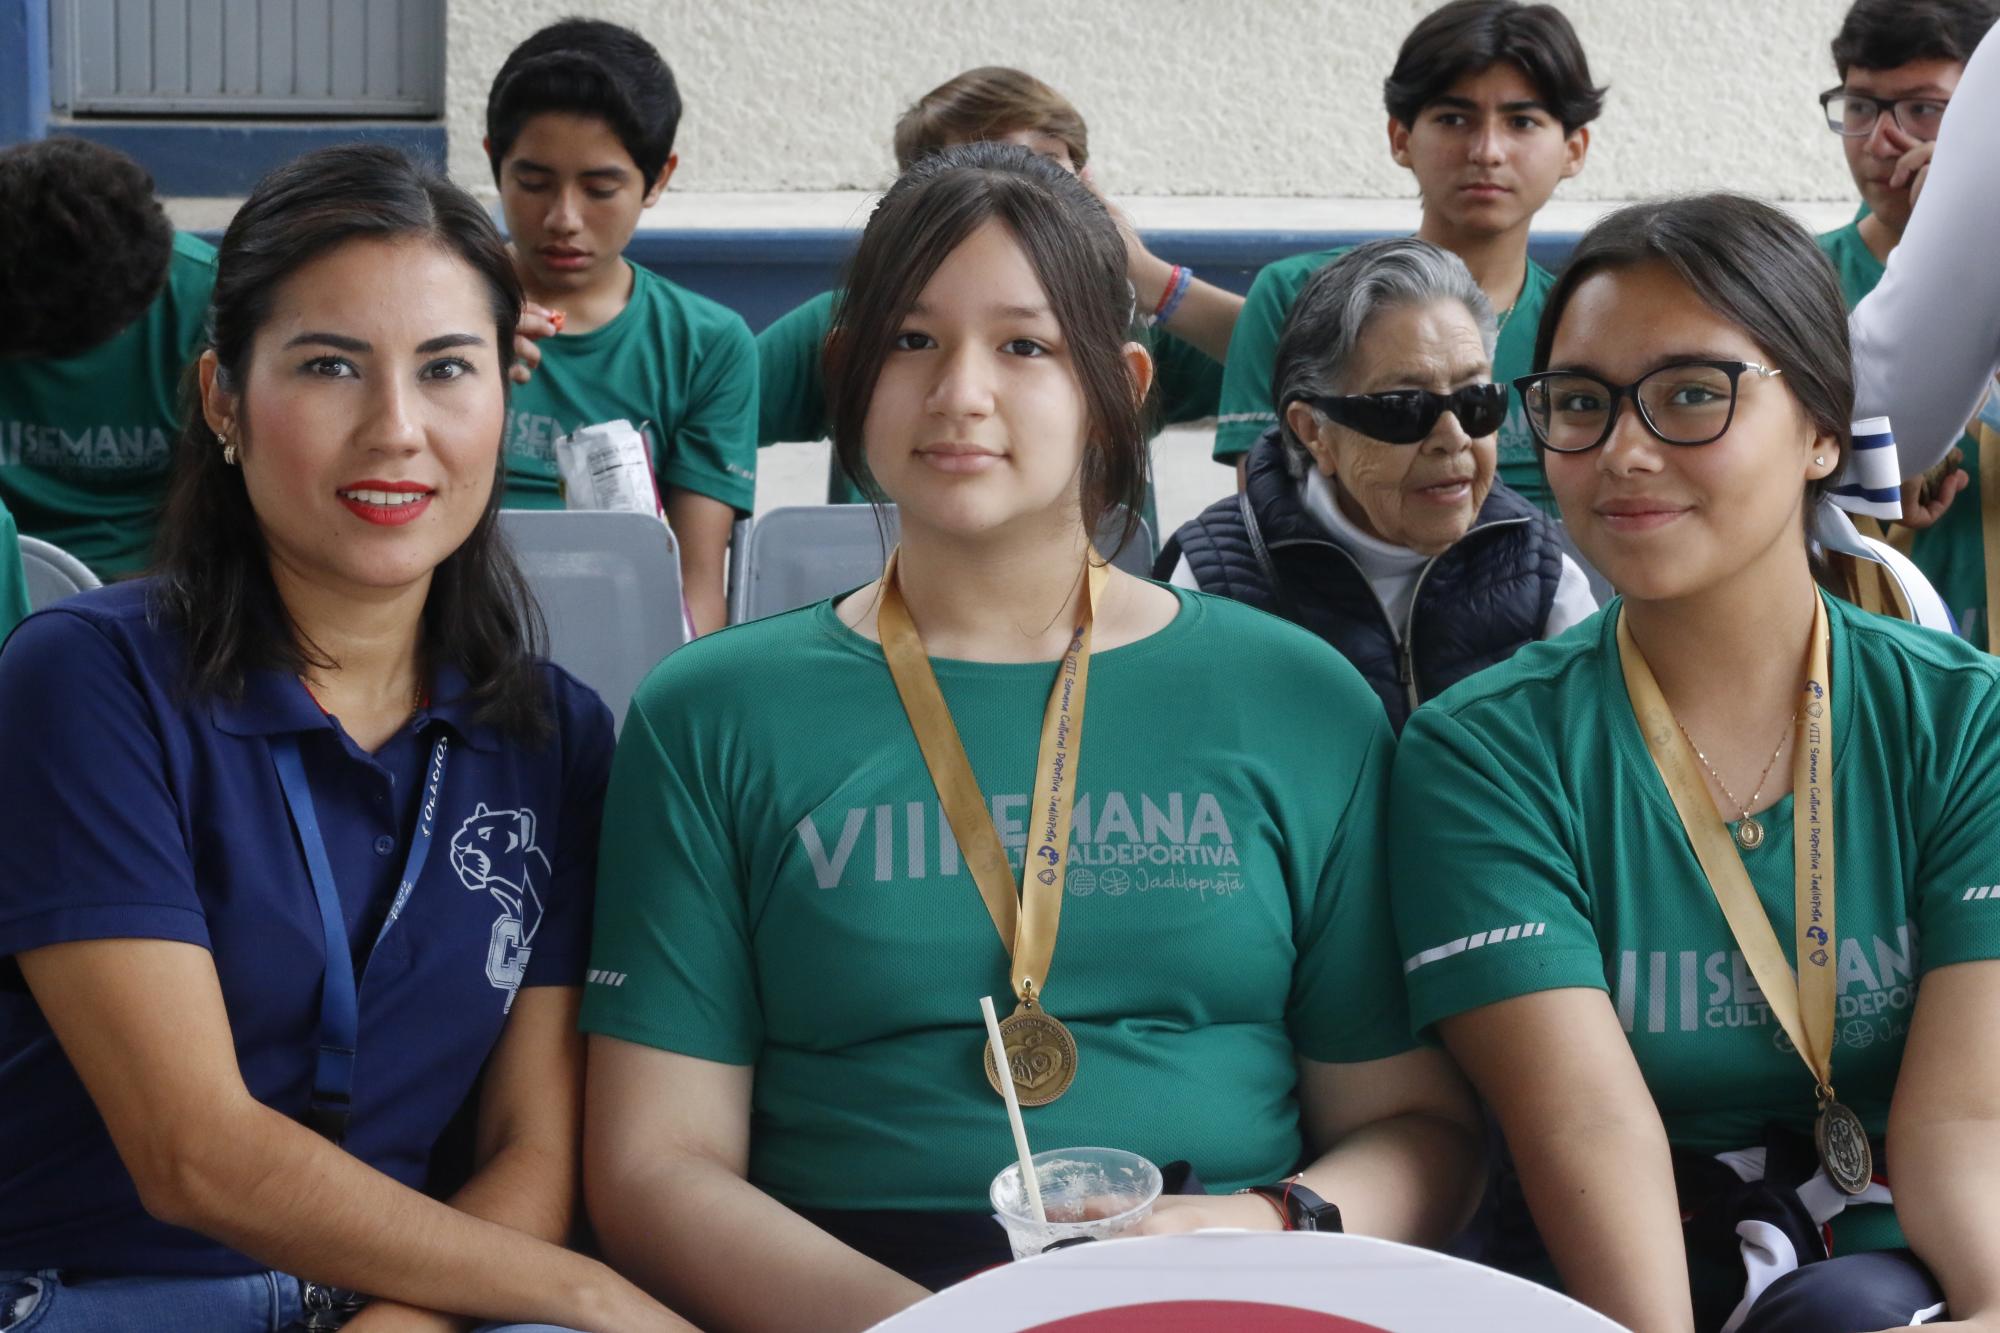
214 573
1752 265
1074 248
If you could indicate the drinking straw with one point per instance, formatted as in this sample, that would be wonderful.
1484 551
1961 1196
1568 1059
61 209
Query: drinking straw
1000 1062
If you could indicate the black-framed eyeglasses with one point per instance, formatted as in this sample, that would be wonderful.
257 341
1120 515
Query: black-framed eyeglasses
1406 416
1688 402
1853 115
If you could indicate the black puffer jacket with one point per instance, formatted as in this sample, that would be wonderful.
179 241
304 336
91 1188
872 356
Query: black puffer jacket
1475 605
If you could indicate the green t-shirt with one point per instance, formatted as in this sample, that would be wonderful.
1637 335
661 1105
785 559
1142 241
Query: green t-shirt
791 393
1247 413
1533 846
13 583
85 441
1951 552
792 400
680 367
779 888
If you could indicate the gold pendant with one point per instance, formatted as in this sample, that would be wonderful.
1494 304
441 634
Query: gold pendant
1041 1055
1843 1148
1749 834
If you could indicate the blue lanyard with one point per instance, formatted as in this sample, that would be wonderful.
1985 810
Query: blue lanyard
339 1005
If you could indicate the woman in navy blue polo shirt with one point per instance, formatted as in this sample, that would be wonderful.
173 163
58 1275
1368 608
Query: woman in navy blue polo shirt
297 836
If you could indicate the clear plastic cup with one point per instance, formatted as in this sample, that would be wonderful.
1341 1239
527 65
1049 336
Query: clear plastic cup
1087 1193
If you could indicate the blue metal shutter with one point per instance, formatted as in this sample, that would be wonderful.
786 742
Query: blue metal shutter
248 57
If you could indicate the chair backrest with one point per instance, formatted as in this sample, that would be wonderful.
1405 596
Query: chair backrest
52 572
795 556
739 540
609 585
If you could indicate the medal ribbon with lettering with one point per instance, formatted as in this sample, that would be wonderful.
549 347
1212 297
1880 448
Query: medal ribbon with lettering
1040 1050
1803 1006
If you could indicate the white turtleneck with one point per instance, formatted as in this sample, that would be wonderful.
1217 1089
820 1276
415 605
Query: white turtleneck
1392 571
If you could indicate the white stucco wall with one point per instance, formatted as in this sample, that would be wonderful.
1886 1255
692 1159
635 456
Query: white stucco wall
1190 97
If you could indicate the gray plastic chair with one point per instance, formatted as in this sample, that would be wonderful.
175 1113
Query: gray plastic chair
609 585
797 555
52 572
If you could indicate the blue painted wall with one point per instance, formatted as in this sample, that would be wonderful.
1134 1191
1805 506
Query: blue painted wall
761 274
221 159
24 69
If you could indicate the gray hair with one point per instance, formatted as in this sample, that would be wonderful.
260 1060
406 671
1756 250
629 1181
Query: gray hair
1331 314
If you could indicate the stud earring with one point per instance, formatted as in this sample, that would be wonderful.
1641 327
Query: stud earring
1819 460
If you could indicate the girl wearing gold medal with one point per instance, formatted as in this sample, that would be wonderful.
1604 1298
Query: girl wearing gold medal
1146 821
1661 883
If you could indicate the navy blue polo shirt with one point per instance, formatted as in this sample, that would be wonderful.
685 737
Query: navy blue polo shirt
128 809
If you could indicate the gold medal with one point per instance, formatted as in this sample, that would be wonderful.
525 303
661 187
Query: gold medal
1843 1146
1804 1003
1040 1053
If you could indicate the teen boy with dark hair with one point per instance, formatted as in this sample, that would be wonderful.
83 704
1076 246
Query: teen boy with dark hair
1899 62
104 305
580 129
1489 107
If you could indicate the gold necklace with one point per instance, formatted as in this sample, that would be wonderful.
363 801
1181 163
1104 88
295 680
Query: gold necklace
1749 831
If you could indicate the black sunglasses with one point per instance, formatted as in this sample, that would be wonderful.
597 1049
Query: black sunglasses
1406 416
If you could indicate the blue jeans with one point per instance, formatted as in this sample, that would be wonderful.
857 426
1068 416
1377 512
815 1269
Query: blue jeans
248 1303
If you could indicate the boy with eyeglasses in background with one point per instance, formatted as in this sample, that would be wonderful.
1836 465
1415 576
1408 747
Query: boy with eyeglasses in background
1899 63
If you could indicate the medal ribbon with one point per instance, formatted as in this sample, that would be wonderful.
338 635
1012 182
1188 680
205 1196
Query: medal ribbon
1805 1006
1987 433
1027 925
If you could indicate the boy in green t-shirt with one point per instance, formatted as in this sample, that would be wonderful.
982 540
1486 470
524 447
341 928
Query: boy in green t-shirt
1490 103
1899 63
1185 322
104 306
580 128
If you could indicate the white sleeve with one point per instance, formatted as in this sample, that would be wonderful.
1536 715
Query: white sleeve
1184 575
1573 602
1927 339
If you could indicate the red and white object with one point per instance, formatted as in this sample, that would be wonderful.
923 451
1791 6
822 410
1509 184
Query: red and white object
1246 1282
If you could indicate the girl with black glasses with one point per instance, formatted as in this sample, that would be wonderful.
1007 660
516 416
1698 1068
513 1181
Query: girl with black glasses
1660 886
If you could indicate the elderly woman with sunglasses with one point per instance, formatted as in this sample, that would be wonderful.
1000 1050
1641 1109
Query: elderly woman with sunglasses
1371 515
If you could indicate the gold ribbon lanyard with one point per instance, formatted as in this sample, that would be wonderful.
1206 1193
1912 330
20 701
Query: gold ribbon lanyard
1041 1054
1803 1006
1988 438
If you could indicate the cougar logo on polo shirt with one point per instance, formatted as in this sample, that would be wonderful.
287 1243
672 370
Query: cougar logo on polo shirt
495 850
